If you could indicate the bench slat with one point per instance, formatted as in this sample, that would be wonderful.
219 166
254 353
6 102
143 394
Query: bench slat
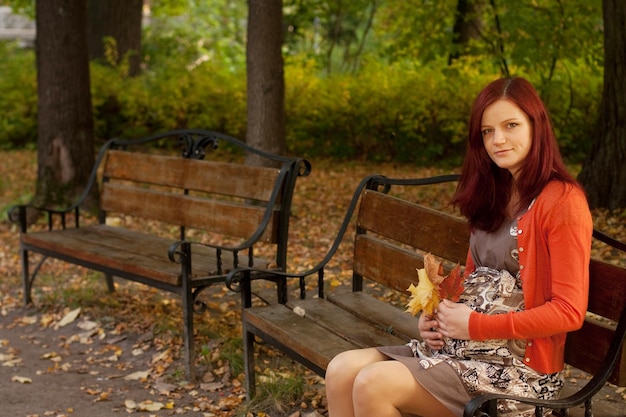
231 219
238 180
381 313
343 324
298 334
385 263
585 349
586 346
444 235
607 289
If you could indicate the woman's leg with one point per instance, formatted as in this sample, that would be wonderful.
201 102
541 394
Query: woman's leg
362 383
388 388
340 375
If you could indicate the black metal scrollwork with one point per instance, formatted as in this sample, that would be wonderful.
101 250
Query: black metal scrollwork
233 281
195 147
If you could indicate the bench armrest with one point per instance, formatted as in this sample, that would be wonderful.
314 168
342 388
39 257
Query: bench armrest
235 277
19 214
176 250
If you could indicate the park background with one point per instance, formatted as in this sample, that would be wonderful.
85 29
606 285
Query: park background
370 85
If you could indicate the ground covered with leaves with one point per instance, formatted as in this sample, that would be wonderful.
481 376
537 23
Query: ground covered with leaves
80 351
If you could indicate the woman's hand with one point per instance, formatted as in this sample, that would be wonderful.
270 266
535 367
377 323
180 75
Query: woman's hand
453 319
427 326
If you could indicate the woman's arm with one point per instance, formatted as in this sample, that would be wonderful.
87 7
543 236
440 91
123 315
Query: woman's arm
555 273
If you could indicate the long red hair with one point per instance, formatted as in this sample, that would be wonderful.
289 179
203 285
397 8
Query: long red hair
484 189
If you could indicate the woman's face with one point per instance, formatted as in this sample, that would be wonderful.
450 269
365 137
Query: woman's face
507 135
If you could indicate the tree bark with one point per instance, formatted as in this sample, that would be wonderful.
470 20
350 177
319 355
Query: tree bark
467 26
65 154
120 20
265 78
603 174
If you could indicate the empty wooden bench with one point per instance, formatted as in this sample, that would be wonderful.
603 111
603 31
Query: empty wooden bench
392 235
235 207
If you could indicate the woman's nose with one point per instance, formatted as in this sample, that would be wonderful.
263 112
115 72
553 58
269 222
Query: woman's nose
498 137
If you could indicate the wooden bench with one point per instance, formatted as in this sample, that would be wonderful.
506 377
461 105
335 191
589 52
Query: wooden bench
221 211
392 235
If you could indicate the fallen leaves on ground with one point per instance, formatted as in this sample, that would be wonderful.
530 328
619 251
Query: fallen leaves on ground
103 321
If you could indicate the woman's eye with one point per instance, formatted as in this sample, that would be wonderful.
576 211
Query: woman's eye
487 131
511 125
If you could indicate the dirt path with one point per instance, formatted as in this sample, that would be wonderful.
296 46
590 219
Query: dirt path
84 369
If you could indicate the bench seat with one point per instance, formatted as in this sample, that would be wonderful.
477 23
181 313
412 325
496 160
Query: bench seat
131 254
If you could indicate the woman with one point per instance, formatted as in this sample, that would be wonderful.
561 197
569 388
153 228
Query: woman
530 219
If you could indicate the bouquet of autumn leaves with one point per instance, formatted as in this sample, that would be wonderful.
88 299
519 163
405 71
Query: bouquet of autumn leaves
433 286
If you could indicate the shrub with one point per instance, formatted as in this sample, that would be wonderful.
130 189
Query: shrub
402 111
18 96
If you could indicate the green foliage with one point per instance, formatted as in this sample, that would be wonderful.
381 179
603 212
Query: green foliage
419 29
18 97
391 94
171 97
402 112
336 33
23 7
573 99
196 31
408 112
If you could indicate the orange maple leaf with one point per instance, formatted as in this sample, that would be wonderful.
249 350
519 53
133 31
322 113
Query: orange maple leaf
451 288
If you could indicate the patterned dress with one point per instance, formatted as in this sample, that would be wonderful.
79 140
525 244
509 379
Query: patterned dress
455 374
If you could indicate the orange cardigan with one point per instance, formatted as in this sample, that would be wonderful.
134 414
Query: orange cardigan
554 243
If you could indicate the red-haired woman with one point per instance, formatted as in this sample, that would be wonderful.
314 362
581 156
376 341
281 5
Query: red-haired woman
531 225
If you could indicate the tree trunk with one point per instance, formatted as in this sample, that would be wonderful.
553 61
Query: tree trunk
467 26
603 174
121 21
65 127
265 76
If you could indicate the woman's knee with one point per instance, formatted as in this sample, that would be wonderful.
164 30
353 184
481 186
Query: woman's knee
370 380
346 365
340 366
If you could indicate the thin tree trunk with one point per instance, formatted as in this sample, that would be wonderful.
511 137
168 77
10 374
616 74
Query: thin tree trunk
603 174
265 76
467 26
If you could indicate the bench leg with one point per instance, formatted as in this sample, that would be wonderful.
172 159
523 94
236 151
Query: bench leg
189 354
281 290
188 300
26 281
248 359
248 338
109 280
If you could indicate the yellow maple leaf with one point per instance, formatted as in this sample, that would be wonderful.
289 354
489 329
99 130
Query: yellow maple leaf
424 297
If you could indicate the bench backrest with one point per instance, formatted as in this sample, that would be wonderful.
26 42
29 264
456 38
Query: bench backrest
242 203
393 235
585 348
225 198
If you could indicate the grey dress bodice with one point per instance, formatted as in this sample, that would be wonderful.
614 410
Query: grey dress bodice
497 249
